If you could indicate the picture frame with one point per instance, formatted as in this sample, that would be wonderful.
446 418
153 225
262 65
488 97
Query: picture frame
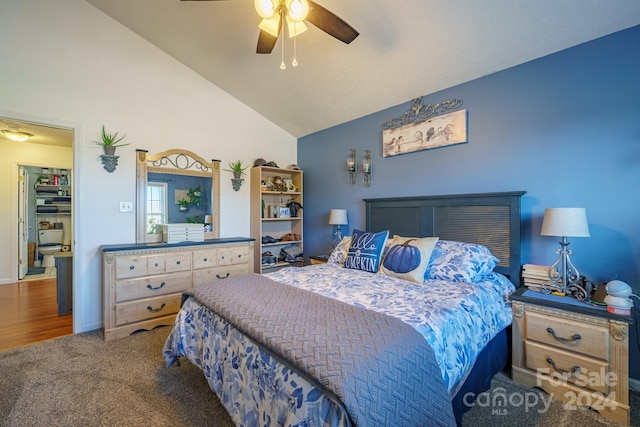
288 184
284 213
438 131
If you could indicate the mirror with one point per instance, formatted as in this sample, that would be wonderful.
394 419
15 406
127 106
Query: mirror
182 186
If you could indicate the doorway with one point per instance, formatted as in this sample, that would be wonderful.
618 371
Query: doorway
46 148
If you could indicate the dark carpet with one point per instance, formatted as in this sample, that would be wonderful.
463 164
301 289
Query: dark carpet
81 380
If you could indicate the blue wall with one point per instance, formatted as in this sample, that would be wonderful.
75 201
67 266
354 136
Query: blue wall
565 128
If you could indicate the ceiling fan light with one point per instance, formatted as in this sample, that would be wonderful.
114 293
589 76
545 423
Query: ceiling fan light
16 135
297 10
295 28
266 8
271 26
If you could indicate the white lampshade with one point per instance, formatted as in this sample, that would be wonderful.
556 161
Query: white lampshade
569 222
338 217
208 219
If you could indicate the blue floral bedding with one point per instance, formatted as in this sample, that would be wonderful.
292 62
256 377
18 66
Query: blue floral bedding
457 319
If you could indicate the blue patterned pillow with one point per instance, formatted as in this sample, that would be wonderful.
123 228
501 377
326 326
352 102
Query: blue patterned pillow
339 254
460 262
366 250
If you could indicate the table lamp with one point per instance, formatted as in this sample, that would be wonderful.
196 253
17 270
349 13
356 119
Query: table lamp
565 222
338 217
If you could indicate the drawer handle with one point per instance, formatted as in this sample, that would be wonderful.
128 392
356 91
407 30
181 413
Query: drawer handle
205 259
153 289
222 257
574 371
574 337
178 262
155 310
131 267
219 277
239 255
156 264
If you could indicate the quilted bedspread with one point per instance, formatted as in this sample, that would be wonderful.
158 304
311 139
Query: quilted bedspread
381 368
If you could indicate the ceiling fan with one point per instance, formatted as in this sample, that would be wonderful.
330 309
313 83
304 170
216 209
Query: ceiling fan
275 13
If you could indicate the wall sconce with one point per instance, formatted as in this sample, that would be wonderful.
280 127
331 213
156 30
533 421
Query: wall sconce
109 162
236 183
366 168
352 166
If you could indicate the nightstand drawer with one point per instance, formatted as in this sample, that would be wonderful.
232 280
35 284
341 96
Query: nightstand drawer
563 366
572 336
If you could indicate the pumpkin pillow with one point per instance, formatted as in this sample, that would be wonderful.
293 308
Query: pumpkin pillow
365 250
408 257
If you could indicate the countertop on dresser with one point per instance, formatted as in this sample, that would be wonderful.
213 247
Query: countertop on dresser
142 246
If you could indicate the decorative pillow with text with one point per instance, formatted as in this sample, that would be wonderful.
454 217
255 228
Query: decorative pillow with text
366 250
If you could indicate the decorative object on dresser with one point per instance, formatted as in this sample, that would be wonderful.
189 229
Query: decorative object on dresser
143 283
338 217
576 352
276 215
565 222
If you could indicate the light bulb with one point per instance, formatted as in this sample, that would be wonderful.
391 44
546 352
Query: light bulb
297 10
265 8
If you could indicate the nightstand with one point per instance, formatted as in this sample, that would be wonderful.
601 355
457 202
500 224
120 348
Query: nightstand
319 259
574 351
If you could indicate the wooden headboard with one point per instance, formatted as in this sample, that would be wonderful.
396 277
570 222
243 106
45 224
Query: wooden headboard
490 219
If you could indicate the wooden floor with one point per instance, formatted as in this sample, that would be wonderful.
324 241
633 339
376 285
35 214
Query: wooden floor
29 313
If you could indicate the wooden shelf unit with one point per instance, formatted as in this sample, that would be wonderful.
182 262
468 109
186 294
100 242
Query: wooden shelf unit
263 222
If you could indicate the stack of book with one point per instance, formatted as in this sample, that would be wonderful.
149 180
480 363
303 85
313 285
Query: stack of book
535 276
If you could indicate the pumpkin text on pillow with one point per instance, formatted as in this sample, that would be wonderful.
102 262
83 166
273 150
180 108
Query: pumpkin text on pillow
366 250
408 257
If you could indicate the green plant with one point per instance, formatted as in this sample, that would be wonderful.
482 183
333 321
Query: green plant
237 167
195 196
184 203
110 139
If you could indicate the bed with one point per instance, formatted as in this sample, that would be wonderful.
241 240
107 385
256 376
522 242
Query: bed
409 339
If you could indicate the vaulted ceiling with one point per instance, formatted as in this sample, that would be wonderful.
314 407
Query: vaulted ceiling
406 48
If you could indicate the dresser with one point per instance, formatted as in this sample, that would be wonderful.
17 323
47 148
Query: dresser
143 283
577 353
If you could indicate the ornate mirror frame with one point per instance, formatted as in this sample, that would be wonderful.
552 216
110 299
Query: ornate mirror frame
177 162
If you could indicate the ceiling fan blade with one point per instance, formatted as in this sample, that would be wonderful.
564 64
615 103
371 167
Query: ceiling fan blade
266 42
330 23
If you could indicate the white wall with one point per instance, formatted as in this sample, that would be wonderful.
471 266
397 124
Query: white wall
66 63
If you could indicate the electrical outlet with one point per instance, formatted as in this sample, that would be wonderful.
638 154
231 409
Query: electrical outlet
126 206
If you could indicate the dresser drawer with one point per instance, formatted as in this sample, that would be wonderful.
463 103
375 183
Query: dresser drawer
593 340
233 255
131 266
151 286
148 308
565 366
205 259
209 275
177 262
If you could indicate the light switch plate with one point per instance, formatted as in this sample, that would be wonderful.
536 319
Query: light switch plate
126 206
